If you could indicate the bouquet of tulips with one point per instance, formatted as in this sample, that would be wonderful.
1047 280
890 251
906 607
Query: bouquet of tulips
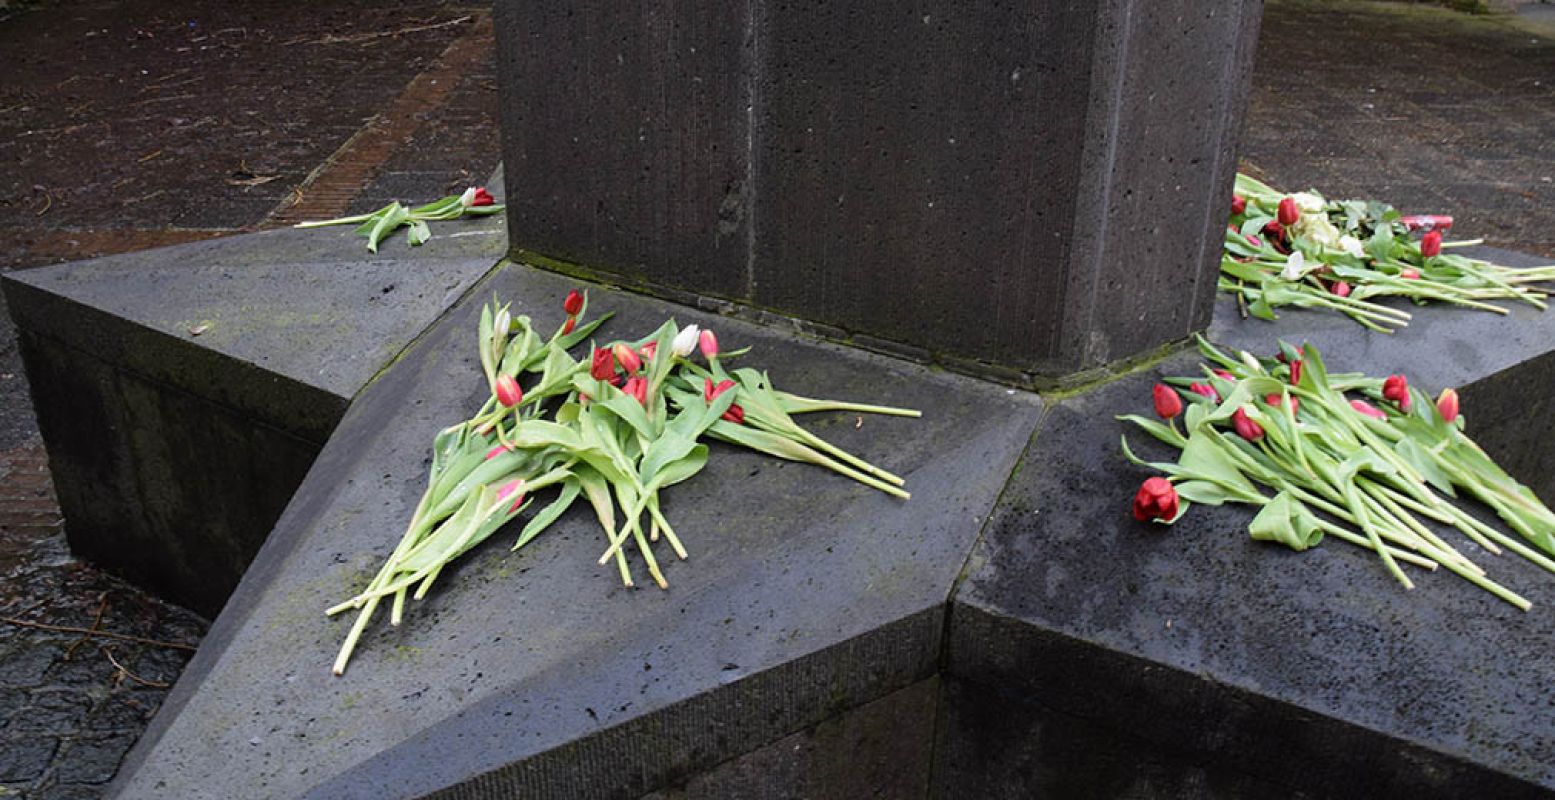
377 226
1304 250
1368 461
616 428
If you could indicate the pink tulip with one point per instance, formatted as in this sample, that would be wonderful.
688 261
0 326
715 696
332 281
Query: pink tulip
637 387
1447 405
628 359
1368 409
509 393
708 342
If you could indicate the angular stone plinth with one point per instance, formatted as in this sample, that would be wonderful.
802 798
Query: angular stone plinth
1091 655
174 452
536 674
1028 188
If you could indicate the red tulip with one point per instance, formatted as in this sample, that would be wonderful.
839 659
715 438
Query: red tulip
1167 403
1156 499
649 350
735 414
1288 213
628 359
603 366
482 197
1220 373
509 393
1447 405
1205 390
1368 409
572 322
1274 228
1274 400
1431 244
1409 274
1340 288
708 341
511 487
1295 372
1238 204
1396 388
1245 426
573 305
637 387
1427 222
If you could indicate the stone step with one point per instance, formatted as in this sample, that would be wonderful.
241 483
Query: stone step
537 674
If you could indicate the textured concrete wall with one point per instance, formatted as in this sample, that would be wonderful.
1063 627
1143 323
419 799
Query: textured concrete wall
1038 187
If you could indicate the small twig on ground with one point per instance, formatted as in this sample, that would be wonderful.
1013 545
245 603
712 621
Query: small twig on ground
362 37
97 622
124 672
89 632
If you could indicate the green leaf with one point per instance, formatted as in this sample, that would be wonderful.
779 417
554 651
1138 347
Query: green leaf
1417 456
1286 521
1210 494
418 233
570 491
1201 456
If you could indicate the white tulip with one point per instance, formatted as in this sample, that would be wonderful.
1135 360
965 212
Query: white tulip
1307 202
1293 266
1352 245
685 341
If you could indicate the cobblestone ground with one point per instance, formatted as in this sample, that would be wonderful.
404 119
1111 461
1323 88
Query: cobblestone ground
127 124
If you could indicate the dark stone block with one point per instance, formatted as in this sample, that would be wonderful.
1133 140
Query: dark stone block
1198 662
172 453
880 749
58 713
95 759
536 674
1037 187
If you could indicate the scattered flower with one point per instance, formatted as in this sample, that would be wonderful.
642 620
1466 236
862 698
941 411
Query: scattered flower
1294 266
1340 288
1238 204
509 393
685 341
1431 244
603 365
708 342
1288 212
1167 403
1447 405
1368 409
1156 499
1245 426
1396 388
573 305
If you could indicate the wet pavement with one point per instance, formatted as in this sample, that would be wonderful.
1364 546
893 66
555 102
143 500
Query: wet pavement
133 124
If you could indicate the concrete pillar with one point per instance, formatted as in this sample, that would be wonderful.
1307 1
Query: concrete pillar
1037 188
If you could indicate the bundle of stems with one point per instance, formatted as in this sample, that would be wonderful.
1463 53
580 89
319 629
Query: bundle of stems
1303 250
1378 472
378 225
615 429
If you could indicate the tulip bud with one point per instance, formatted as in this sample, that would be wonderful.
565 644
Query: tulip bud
685 341
1447 405
1340 288
1245 427
637 388
1274 228
1238 204
502 323
628 359
1396 388
1224 375
1431 244
481 198
1206 390
735 414
509 393
572 322
1288 213
1409 274
1368 409
1274 400
649 350
514 486
1295 373
573 305
603 365
709 391
708 342
1156 499
1167 403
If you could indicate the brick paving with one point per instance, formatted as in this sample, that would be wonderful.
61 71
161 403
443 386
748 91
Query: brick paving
127 124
